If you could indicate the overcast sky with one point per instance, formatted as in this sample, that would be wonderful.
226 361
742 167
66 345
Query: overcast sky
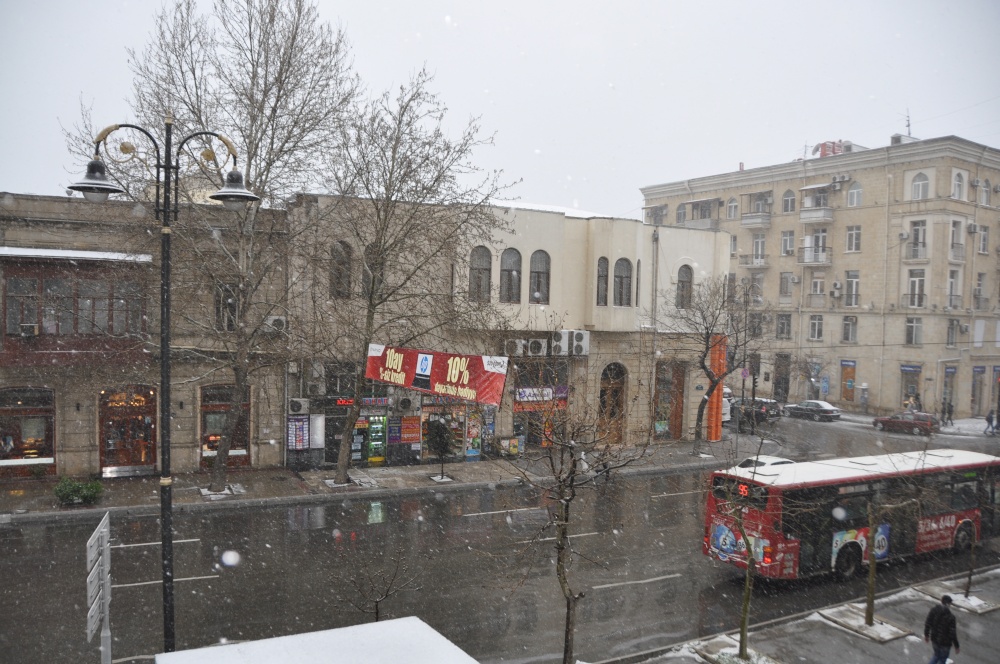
588 100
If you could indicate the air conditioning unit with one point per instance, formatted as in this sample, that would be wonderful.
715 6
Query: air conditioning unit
845 177
515 347
29 329
836 186
579 342
537 348
972 229
560 342
298 406
904 235
276 324
837 285
405 404
975 182
316 389
795 279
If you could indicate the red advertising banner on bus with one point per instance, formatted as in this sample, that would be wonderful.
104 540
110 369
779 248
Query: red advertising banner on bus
478 378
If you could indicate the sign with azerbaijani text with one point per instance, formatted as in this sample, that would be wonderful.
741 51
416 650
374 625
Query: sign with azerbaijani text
478 378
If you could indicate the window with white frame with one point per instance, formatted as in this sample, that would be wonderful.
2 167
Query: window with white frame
854 195
915 289
623 283
958 187
920 187
539 277
952 337
783 326
852 288
817 284
850 330
854 238
510 276
984 193
681 214
732 245
759 248
787 243
984 239
816 327
480 268
785 284
732 209
914 331
701 210
602 282
788 201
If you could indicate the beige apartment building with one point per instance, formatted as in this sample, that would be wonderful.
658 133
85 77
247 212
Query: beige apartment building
878 268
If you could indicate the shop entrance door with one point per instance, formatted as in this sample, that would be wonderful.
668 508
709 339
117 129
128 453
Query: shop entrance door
128 431
611 422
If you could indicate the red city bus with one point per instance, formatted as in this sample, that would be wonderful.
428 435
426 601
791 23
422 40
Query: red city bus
804 519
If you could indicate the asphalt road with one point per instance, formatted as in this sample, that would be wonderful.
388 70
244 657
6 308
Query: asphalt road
482 570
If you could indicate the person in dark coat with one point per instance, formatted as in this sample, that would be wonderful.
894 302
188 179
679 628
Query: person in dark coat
989 423
951 413
939 631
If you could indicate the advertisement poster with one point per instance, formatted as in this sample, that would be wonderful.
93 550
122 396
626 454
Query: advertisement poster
861 537
478 378
298 432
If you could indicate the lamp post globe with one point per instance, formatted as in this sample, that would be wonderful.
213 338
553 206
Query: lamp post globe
234 195
95 185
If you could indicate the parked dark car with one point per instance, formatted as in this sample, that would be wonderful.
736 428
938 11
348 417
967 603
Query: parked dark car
770 406
757 411
815 410
919 424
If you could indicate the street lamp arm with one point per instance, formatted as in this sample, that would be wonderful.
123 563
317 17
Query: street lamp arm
230 147
102 137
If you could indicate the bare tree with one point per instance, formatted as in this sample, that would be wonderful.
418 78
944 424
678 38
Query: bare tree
279 82
391 250
375 581
716 319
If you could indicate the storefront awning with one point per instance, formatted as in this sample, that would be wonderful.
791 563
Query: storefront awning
815 186
73 254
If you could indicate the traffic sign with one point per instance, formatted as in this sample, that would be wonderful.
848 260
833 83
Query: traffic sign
99 586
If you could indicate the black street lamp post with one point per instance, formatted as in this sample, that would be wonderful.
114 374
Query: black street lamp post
96 187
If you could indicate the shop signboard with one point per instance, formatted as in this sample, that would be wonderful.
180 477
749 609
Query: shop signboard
477 378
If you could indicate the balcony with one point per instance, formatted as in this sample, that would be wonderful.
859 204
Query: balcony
957 252
706 224
953 301
814 256
914 301
980 302
816 300
754 261
915 251
759 219
816 215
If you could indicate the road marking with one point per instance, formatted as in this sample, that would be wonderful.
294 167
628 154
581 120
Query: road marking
682 493
553 539
150 583
125 546
631 583
518 509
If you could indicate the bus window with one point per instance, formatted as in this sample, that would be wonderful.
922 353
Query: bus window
963 496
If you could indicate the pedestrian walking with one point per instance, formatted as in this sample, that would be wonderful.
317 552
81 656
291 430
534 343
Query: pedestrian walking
917 403
990 429
939 631
951 413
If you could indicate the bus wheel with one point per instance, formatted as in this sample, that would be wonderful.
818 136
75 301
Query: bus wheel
964 537
848 562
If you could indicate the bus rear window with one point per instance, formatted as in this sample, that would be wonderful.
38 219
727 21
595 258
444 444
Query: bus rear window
726 489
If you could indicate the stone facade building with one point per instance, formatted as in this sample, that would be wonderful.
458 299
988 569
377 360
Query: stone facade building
880 268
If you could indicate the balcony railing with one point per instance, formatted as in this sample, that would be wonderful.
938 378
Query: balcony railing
756 219
816 215
957 251
814 256
753 260
914 300
711 224
980 302
915 251
851 299
954 301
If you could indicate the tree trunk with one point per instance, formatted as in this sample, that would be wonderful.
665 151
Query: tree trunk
564 555
745 605
344 453
233 418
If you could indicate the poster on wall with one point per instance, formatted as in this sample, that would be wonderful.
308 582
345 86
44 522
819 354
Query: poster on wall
477 378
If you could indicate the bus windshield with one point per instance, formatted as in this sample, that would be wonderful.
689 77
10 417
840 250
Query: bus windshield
732 489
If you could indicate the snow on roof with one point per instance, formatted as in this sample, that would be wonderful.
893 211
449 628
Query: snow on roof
833 470
569 212
74 254
409 640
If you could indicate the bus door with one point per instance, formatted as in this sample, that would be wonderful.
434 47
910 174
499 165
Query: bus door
991 506
806 517
898 508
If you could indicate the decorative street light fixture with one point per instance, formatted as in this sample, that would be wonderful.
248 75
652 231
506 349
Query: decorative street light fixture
96 187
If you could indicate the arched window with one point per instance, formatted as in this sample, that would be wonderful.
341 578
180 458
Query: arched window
602 282
920 187
685 277
340 270
623 283
480 263
732 209
788 201
854 195
538 280
681 213
984 193
510 276
374 273
958 187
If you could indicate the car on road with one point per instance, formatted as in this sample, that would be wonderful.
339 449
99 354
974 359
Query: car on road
770 407
813 409
919 424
